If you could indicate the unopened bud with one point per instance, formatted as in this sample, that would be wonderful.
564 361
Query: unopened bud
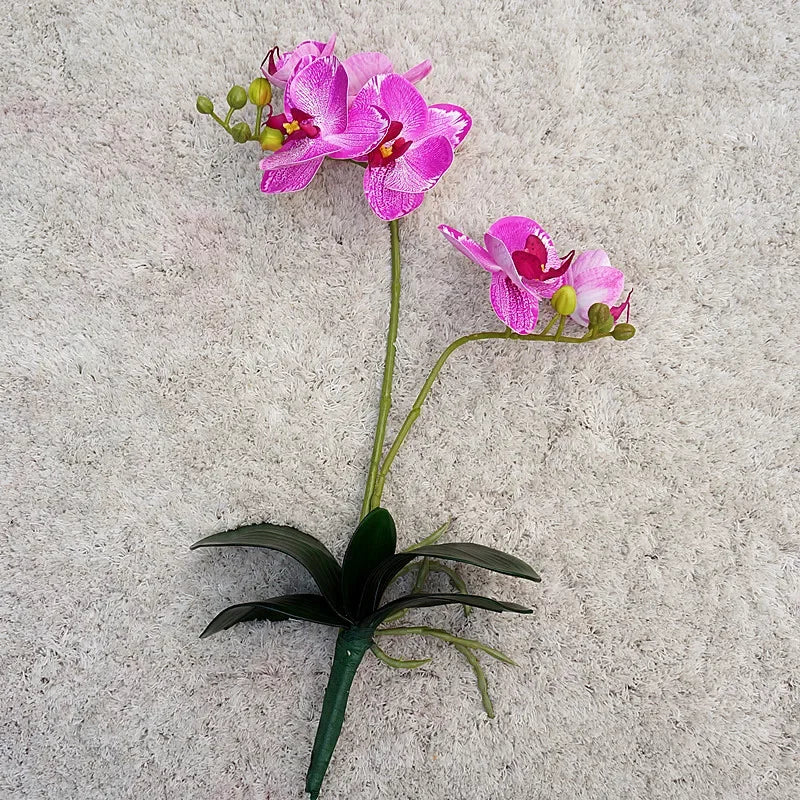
204 105
240 132
564 301
271 139
600 318
237 97
623 332
260 92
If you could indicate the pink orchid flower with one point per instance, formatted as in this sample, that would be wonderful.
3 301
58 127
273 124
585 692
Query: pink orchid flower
317 124
524 264
280 68
526 268
416 149
362 67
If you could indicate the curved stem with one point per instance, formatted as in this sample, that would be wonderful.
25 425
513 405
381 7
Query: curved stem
416 409
483 687
397 663
388 372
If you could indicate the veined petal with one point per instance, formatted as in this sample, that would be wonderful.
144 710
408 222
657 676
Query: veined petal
450 121
366 127
594 281
387 203
420 71
290 179
499 254
472 250
514 306
514 232
298 151
402 102
420 168
362 67
320 90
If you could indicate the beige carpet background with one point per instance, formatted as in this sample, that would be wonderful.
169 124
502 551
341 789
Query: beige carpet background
181 355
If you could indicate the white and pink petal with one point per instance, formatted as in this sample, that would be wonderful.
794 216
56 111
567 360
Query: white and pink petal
291 178
366 127
472 250
421 166
594 281
450 121
388 204
516 307
320 90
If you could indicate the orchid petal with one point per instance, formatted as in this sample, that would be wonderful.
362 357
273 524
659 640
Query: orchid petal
320 90
290 179
420 168
298 151
450 121
387 203
402 102
362 67
366 127
472 250
417 73
514 232
594 281
514 306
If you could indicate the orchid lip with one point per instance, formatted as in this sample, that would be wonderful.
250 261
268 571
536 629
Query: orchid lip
390 148
269 60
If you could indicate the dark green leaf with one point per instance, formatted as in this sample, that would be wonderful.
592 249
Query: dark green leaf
373 542
427 600
476 554
303 547
310 607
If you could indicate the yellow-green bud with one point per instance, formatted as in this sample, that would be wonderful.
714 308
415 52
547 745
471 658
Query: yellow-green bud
240 132
204 105
564 301
271 139
623 332
260 92
237 97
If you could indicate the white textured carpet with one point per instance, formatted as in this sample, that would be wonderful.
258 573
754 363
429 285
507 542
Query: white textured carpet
181 354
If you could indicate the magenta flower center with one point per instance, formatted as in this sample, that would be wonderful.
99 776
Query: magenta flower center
390 148
532 261
300 126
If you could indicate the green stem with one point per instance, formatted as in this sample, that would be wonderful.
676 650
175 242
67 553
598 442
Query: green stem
259 112
432 539
351 646
455 579
388 372
422 575
560 328
416 409
447 637
483 687
551 323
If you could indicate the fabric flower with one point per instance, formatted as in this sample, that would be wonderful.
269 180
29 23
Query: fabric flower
524 264
595 281
317 124
280 68
362 67
416 149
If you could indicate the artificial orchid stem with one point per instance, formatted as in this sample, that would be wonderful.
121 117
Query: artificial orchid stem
438 633
351 647
388 372
416 409
397 663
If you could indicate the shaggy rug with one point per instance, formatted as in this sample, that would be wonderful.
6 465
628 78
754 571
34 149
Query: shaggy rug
182 354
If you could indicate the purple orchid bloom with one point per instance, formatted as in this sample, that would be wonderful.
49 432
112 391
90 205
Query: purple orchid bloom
278 69
524 264
317 124
362 67
416 149
595 281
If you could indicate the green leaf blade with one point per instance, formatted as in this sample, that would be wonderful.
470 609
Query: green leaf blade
442 599
308 607
373 542
302 547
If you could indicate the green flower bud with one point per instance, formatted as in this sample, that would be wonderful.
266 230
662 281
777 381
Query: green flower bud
241 132
237 97
271 139
564 301
260 92
623 332
204 105
598 314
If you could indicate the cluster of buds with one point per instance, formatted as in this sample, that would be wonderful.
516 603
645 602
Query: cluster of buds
601 320
259 94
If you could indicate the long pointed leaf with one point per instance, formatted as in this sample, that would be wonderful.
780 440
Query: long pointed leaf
309 607
476 554
372 543
429 600
302 547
